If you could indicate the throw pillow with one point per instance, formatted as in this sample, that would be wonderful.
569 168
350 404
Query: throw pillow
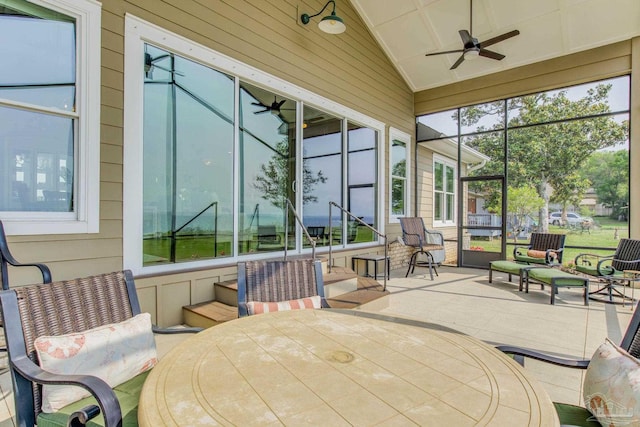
115 353
540 254
257 307
612 386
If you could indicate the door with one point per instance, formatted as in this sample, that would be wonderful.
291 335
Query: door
483 225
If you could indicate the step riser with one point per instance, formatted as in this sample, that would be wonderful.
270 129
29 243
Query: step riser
342 287
226 295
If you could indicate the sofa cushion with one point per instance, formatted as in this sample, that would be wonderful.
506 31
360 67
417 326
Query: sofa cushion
115 353
611 389
258 307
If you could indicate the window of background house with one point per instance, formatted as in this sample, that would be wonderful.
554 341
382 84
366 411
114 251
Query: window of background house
444 191
48 130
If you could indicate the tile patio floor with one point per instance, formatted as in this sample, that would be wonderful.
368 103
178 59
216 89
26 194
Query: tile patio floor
496 313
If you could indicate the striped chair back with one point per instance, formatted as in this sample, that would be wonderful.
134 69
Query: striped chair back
628 250
413 231
544 241
271 281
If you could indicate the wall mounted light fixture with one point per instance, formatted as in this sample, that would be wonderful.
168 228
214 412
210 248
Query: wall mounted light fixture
331 24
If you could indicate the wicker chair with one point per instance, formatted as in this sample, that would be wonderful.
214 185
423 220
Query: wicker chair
427 243
60 308
550 245
572 414
611 269
272 281
7 259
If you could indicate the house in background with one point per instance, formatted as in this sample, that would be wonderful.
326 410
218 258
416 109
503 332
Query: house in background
160 136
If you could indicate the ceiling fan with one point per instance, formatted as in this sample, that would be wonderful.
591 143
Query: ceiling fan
274 108
472 47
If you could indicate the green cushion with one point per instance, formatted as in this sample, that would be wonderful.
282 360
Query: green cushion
593 270
507 266
128 394
545 275
575 415
530 259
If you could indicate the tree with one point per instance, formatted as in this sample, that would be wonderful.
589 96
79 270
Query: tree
544 151
570 191
522 203
608 173
276 178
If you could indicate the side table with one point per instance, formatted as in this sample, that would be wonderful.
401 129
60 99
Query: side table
376 260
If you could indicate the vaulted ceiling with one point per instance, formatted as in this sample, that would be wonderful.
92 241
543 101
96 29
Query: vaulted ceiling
408 29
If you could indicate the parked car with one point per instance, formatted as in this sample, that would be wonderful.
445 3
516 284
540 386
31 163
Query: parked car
573 218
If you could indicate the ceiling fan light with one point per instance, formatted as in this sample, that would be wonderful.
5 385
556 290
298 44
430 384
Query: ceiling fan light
332 24
471 54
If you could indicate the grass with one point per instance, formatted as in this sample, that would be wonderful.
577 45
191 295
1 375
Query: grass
602 235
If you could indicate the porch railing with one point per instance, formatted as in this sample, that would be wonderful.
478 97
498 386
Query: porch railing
311 240
196 216
361 222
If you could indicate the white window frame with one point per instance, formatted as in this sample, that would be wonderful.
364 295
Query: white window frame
398 135
86 215
137 33
446 161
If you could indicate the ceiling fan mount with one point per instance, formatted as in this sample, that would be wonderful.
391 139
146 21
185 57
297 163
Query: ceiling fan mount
472 47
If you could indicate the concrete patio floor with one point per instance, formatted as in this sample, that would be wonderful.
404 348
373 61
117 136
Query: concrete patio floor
497 313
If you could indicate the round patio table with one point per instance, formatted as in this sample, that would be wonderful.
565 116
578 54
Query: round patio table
339 367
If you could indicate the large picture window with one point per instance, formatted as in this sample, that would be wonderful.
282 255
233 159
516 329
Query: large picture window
222 159
49 132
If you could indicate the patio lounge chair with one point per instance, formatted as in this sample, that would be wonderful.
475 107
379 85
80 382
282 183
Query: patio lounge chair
611 269
428 243
77 306
544 248
268 238
572 414
264 284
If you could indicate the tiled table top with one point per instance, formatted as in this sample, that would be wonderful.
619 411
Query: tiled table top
325 367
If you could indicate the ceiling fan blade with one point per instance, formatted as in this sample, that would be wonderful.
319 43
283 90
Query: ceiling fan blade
491 54
466 37
262 111
279 104
442 53
259 104
499 38
458 62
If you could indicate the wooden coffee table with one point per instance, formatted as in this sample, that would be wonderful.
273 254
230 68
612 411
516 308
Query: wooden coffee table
338 368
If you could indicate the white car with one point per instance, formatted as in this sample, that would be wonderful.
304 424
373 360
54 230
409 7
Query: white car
573 218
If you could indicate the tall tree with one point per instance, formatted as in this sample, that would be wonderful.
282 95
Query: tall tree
545 145
608 172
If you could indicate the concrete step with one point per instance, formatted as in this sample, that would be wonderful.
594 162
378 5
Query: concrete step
207 314
340 281
369 292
